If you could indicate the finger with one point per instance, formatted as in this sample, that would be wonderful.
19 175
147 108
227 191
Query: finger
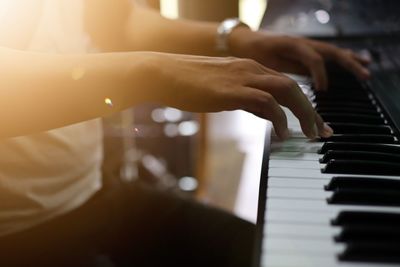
292 66
323 129
365 60
288 93
345 57
264 105
348 61
315 64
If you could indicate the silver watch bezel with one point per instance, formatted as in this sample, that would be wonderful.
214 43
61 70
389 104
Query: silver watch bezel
224 30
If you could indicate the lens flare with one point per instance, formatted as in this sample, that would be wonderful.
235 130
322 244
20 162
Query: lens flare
108 102
77 73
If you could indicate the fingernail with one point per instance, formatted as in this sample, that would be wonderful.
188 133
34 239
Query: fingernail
327 131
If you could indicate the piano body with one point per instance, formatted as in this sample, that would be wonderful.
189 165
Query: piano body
336 201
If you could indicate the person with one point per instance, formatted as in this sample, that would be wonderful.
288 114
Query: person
66 63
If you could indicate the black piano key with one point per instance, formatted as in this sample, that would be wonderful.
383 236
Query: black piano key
341 99
328 95
362 138
359 155
366 218
358 128
368 197
367 111
342 80
343 146
341 117
367 167
371 252
343 182
346 105
369 233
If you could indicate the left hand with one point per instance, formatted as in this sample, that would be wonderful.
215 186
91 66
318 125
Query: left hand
295 54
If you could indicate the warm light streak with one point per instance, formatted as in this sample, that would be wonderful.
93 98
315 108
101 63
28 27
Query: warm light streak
169 8
251 12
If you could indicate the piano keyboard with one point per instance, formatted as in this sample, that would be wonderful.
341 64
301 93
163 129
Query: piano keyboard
335 201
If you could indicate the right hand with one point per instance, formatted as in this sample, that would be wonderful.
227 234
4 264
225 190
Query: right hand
208 84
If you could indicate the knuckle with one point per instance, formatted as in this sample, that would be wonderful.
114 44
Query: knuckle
289 84
248 62
266 100
242 64
231 58
317 60
246 65
348 51
291 39
264 103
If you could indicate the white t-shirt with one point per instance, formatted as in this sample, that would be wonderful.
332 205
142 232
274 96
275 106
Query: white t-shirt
46 174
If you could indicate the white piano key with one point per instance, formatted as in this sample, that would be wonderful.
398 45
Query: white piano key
274 259
294 172
298 193
306 217
292 146
294 156
296 141
297 173
282 259
273 229
323 246
302 164
296 183
299 217
296 132
321 205
303 173
293 121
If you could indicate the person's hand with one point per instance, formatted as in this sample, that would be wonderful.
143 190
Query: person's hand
295 54
207 84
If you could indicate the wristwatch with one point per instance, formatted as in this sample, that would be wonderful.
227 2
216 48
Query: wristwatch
223 32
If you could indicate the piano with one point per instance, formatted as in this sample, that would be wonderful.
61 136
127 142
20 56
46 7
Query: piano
336 201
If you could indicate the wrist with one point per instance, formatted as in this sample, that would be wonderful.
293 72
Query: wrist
224 31
237 41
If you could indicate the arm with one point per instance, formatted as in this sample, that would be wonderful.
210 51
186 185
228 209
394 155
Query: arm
43 91
136 27
147 30
66 89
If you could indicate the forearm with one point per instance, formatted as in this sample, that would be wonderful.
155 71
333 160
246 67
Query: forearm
148 30
39 92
